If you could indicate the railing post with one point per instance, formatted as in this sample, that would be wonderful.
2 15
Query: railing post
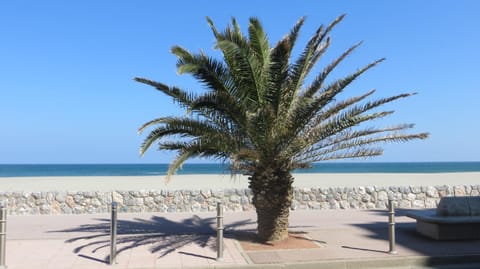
113 234
219 231
391 227
3 235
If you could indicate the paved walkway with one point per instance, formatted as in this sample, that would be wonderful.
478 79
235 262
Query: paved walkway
345 239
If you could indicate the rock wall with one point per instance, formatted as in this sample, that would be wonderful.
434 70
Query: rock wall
84 202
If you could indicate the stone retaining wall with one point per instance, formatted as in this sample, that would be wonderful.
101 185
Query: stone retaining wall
84 202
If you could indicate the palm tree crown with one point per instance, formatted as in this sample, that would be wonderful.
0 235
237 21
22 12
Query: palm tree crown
258 107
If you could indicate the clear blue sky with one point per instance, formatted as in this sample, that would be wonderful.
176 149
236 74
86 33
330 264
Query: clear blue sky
66 70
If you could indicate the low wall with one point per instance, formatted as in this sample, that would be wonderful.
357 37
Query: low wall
83 202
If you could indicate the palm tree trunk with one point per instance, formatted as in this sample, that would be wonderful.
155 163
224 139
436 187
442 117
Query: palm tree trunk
272 198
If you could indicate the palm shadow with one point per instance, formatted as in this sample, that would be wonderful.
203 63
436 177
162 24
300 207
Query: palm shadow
164 236
407 237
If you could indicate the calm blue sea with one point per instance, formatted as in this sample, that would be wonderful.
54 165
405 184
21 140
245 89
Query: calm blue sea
33 170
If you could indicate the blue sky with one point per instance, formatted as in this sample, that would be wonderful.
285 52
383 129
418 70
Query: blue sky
67 93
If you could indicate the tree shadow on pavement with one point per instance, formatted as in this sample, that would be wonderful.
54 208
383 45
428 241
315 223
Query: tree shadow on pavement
407 238
164 236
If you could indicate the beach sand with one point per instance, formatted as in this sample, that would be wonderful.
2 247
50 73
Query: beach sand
215 181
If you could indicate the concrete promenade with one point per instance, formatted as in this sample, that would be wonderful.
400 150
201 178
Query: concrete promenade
336 239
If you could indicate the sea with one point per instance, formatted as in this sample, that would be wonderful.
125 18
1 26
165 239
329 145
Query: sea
49 170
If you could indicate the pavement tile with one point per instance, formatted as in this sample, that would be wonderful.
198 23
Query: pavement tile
234 251
61 262
262 257
344 235
169 260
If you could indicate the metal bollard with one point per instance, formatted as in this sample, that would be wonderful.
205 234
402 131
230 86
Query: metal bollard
391 227
113 234
219 231
3 235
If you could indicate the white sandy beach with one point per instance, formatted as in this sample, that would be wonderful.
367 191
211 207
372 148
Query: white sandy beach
215 181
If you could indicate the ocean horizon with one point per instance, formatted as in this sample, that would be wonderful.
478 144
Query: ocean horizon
49 170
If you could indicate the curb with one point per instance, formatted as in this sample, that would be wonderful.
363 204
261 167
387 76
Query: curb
443 262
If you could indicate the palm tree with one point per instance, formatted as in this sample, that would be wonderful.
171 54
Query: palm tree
259 113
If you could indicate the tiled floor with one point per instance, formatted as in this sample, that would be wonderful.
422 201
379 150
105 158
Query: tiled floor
77 242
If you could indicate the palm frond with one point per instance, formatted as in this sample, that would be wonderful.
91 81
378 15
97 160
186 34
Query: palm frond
207 70
350 146
317 83
277 74
357 140
177 163
323 46
196 148
178 95
183 127
305 109
244 69
356 153
292 36
259 42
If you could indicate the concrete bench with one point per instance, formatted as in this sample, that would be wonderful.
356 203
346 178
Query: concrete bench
455 218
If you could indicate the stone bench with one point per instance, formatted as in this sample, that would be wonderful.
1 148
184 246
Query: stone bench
455 218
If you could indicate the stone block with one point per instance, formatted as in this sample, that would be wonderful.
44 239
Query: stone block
321 198
235 199
36 195
132 201
70 201
334 204
360 190
404 204
418 204
459 191
405 190
314 205
88 194
393 188
355 204
409 196
294 205
95 202
431 192
323 191
218 193
344 205
370 189
382 196
430 202
415 189
159 199
365 198
420 196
